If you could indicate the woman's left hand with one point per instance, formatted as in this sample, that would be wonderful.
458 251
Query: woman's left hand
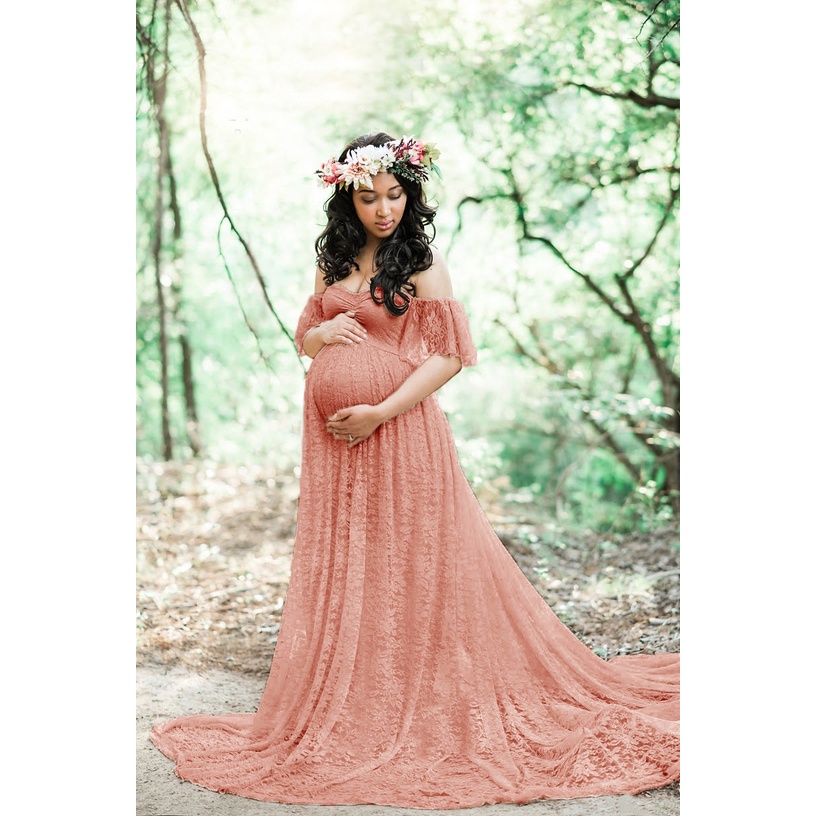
354 424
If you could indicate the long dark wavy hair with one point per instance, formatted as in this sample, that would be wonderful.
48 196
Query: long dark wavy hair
398 257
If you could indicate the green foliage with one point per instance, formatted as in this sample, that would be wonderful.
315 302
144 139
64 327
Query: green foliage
567 189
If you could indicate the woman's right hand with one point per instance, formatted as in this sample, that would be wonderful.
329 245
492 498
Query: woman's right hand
342 328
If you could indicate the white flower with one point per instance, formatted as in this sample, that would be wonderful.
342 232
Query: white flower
371 156
356 173
364 162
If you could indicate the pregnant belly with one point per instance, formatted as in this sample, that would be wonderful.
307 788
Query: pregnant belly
341 376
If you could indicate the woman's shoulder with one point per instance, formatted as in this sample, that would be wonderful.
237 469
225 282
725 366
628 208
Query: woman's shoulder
319 282
435 281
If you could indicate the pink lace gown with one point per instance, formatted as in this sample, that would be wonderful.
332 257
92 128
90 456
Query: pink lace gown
416 666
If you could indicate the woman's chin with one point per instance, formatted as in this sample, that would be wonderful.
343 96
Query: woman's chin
384 231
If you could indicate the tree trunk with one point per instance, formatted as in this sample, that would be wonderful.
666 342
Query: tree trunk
158 90
193 435
167 438
671 462
189 396
671 486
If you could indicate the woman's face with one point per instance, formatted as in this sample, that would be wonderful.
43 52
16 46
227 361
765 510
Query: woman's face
380 209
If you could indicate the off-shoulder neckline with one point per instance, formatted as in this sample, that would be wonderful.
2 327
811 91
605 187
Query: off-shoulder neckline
366 291
340 286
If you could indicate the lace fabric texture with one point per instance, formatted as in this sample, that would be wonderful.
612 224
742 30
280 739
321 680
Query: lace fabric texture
416 666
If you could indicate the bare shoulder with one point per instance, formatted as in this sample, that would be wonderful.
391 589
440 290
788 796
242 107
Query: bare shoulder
435 281
319 284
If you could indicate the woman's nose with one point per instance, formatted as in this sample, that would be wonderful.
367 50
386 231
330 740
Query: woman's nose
384 207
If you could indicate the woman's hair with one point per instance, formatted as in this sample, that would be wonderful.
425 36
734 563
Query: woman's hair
400 255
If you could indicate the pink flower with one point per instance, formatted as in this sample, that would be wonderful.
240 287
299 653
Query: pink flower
330 172
357 173
416 152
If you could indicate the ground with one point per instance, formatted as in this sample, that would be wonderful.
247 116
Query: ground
214 547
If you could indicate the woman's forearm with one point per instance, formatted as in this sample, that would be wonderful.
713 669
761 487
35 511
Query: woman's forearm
312 341
429 377
342 328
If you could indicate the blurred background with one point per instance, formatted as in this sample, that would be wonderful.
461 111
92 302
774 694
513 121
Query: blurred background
558 125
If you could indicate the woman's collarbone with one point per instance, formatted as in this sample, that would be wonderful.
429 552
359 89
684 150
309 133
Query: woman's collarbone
357 283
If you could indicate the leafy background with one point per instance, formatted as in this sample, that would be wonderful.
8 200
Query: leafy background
558 215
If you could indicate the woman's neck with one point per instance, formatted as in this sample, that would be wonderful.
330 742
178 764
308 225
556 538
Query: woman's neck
365 258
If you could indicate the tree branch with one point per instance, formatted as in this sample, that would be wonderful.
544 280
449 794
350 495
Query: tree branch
648 17
668 379
669 382
249 325
673 194
182 4
650 100
632 317
544 359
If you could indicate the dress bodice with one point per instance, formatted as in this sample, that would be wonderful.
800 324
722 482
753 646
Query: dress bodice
381 325
429 326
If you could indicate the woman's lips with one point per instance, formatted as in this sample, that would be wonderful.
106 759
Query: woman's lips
384 225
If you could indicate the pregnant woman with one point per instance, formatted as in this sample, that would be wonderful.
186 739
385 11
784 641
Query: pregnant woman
416 666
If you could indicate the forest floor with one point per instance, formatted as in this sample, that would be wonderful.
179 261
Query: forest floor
214 547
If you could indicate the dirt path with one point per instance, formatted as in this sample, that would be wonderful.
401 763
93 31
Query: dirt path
169 691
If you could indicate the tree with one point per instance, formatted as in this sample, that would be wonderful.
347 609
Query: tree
571 112
158 21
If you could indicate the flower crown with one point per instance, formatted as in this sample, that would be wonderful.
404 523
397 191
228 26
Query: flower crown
408 157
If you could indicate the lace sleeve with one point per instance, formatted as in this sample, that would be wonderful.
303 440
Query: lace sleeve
311 315
444 329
